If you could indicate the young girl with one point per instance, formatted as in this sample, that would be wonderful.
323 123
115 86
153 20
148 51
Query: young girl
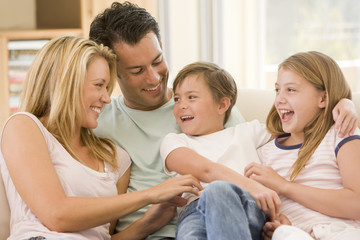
315 171
61 180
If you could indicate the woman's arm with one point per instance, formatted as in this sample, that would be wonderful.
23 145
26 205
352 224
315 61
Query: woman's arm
186 161
122 186
32 172
325 201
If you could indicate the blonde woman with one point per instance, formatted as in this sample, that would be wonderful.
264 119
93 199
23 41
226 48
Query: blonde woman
312 168
61 180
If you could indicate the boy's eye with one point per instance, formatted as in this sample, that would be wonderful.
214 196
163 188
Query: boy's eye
192 97
176 99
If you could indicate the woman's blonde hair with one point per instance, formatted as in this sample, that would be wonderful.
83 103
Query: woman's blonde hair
53 89
325 75
220 82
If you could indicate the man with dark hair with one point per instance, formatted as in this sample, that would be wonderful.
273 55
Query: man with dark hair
138 119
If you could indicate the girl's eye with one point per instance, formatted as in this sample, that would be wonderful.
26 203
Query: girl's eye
192 97
277 90
176 99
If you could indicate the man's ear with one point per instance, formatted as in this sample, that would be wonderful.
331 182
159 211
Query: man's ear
323 100
224 105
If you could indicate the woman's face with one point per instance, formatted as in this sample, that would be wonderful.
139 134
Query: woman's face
95 93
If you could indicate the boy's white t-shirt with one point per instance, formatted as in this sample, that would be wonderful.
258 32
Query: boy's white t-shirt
234 147
140 134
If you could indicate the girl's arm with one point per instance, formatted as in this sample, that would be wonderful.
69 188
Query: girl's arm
325 201
186 161
32 172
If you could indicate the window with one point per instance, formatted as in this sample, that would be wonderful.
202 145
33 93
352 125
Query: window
249 38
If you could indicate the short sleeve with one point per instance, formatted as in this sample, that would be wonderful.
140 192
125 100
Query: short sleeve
169 143
123 160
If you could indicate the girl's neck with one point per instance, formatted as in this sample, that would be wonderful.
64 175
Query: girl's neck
293 139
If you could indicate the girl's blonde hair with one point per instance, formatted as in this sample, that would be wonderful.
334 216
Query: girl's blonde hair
325 75
53 89
220 82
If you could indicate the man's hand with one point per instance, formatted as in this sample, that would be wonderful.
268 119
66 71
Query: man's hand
345 117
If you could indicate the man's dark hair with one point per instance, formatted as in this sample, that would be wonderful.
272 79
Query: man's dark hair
122 22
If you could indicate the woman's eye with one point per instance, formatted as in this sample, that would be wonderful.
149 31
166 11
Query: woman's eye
157 63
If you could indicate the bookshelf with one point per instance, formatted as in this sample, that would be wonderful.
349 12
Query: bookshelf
19 46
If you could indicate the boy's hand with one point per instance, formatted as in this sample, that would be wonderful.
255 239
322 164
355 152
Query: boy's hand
270 226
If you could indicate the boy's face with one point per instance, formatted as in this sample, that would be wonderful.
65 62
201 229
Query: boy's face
143 73
195 110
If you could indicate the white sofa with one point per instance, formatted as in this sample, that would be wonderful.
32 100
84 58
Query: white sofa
252 103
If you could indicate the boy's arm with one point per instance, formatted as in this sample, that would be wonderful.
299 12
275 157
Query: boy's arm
186 161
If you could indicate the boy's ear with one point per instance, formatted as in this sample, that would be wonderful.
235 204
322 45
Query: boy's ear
322 103
224 105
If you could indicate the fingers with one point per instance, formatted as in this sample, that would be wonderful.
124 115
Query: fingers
345 126
250 169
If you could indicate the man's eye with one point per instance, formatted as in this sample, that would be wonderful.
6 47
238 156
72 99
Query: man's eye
136 71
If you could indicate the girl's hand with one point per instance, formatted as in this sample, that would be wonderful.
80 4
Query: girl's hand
266 176
267 199
172 188
345 117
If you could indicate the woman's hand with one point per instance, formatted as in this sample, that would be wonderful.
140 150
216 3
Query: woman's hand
172 188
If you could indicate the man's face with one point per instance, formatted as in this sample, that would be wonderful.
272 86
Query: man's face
142 73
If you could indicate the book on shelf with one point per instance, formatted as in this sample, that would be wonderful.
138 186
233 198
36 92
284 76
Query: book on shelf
21 55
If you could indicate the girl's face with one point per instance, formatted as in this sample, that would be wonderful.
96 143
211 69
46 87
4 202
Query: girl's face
195 110
297 102
95 93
